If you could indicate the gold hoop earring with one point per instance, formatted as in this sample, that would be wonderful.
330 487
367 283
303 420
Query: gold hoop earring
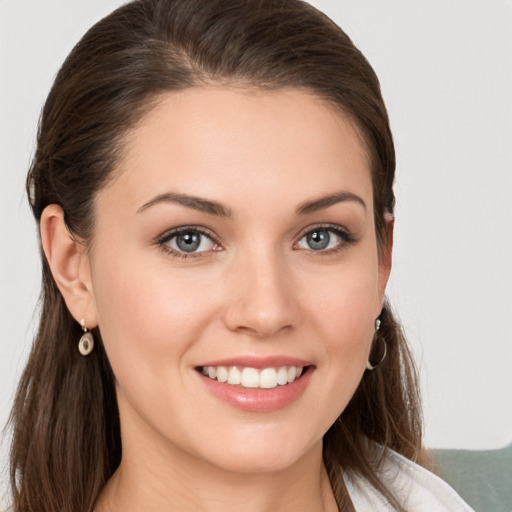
86 343
383 350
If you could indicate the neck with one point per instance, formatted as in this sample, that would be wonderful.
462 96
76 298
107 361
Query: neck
170 480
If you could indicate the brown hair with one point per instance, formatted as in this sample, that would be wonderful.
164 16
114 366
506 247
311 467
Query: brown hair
66 432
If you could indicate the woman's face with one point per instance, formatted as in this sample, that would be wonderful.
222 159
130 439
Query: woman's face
238 240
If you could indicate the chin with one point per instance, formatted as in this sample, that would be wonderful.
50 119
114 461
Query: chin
256 463
263 454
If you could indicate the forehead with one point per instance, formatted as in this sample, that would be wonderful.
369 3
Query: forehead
223 141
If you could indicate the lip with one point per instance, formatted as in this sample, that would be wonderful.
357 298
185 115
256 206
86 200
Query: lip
257 399
259 362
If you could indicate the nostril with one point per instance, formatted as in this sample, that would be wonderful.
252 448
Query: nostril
263 329
259 294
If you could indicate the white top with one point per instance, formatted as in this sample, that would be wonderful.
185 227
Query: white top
419 489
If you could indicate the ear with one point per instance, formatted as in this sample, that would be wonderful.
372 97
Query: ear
385 257
69 264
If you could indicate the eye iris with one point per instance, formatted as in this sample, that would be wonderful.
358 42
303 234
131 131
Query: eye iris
318 239
188 242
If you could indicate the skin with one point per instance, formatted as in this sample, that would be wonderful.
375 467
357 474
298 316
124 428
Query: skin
257 288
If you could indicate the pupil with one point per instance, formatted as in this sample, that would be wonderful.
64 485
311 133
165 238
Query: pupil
318 239
188 242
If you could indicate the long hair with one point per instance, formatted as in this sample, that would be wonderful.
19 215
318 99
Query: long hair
65 421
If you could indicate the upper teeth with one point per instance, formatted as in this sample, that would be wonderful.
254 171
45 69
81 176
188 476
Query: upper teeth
265 378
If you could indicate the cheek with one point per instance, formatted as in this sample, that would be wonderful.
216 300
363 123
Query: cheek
343 318
343 303
149 318
147 314
342 309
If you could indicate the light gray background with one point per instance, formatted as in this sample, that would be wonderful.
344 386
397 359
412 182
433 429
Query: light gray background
446 72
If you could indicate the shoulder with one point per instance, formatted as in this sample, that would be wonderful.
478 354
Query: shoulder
418 489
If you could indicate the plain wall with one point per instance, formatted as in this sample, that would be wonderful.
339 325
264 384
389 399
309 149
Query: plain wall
446 73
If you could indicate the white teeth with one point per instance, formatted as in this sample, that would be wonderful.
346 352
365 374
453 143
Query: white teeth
291 373
222 374
266 378
282 376
250 378
234 376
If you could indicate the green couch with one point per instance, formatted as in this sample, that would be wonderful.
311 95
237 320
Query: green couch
482 478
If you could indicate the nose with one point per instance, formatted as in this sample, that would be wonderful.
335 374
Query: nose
261 297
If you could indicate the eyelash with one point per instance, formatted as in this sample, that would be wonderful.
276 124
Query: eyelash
346 237
167 237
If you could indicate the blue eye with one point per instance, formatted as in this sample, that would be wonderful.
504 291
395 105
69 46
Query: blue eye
321 239
190 241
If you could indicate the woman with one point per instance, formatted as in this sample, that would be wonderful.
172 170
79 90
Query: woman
213 185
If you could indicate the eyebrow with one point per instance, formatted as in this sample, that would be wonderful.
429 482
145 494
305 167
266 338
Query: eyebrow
325 201
218 209
193 202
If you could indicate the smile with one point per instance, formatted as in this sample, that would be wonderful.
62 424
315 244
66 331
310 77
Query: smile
257 385
264 378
